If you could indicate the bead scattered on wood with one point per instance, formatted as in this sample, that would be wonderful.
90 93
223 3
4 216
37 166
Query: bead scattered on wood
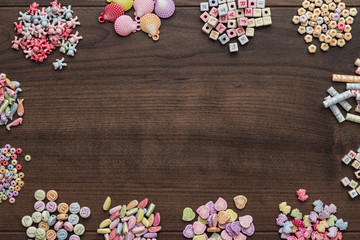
329 21
145 19
10 104
136 220
54 221
42 31
321 223
11 175
218 221
225 20
353 91
352 159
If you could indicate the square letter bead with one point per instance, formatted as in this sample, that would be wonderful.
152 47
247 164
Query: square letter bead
207 28
257 12
232 6
242 3
259 22
243 39
240 13
213 12
251 22
252 4
357 157
356 164
266 12
352 154
214 35
231 24
224 39
250 32
243 22
353 193
353 184
248 12
267 21
205 17
240 31
345 181
233 47
204 6
223 9
231 14
223 19
221 1
260 4
346 159
213 3
231 33
212 21
220 28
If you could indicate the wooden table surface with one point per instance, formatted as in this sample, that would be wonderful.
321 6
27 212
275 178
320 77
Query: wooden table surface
181 121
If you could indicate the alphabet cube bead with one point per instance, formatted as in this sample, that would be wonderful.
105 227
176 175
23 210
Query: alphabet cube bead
352 154
251 22
242 3
266 12
204 6
267 20
223 9
358 190
243 22
214 35
257 12
252 4
357 157
205 17
207 28
356 164
357 174
231 6
240 31
240 13
231 24
213 3
221 1
353 193
233 47
212 21
220 28
358 62
248 12
224 39
231 33
250 32
213 12
259 22
231 14
223 19
345 181
243 39
260 4
346 159
353 184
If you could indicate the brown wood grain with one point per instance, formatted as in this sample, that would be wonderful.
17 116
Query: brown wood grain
181 121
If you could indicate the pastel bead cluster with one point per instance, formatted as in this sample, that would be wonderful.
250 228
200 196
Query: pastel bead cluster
145 19
329 21
352 158
134 221
229 19
11 175
218 221
42 31
353 90
10 103
319 224
54 221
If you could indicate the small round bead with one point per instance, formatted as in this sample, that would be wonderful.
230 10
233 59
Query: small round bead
18 150
27 158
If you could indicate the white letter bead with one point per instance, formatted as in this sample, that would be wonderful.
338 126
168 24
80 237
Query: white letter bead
224 39
243 39
267 21
204 6
346 159
259 22
266 12
233 47
250 32
214 35
207 28
213 3
260 4
345 181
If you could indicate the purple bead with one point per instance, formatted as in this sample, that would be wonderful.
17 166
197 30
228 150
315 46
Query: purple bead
313 216
10 178
211 205
2 157
15 193
189 231
8 146
228 229
338 10
324 28
249 231
209 220
331 209
332 232
149 235
13 183
51 207
281 219
335 17
10 195
236 227
303 18
7 185
309 30
129 236
324 215
39 206
3 116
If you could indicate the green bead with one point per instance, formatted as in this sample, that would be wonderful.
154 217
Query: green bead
132 211
7 111
123 211
150 210
4 105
